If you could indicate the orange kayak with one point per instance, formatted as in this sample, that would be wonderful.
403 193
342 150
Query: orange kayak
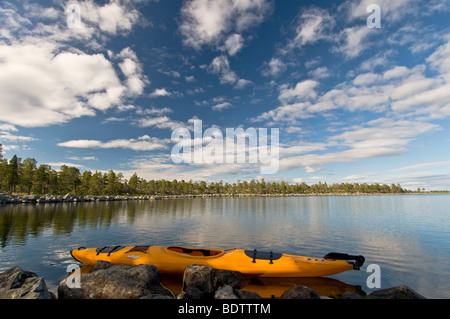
175 259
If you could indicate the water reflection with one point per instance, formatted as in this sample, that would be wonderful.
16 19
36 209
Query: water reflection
20 222
200 220
275 287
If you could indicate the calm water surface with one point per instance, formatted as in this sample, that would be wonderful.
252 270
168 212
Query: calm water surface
408 236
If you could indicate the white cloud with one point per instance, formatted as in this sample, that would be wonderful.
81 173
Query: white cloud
385 131
312 25
274 67
112 18
378 138
53 165
34 10
288 113
113 119
320 73
302 148
419 166
204 22
397 72
314 162
216 22
6 136
217 103
143 143
434 102
242 83
8 127
158 167
39 88
164 92
133 71
221 67
366 79
304 90
222 106
153 111
161 122
84 158
440 59
351 41
233 44
160 92
44 80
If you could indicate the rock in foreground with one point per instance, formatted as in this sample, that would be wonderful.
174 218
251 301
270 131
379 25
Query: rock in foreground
16 283
108 281
208 280
399 292
300 292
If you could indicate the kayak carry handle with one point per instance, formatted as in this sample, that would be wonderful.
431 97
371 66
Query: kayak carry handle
358 260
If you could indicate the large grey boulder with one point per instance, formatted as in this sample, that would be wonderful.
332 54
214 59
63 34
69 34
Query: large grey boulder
351 295
191 293
208 279
300 292
225 292
243 294
399 292
16 283
108 281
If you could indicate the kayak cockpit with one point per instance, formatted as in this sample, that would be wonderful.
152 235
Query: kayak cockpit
195 252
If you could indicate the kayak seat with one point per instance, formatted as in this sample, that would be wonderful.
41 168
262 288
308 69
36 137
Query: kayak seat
195 252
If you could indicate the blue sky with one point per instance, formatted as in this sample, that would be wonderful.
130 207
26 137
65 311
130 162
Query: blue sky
352 103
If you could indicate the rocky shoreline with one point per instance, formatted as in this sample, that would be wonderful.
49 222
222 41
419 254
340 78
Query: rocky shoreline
109 281
68 198
6 198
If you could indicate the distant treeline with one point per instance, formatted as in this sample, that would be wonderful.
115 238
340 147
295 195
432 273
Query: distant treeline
25 176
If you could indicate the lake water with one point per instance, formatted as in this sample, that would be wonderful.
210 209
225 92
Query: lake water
407 236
